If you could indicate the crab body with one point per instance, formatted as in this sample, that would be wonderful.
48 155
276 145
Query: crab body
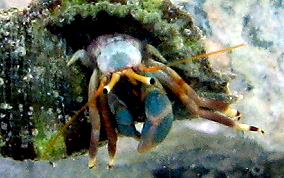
115 53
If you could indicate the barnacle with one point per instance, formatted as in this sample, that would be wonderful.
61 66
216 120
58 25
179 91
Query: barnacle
50 91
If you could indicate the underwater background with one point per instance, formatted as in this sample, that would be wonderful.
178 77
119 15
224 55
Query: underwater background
200 148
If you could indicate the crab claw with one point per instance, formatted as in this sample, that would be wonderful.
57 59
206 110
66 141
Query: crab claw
159 119
125 123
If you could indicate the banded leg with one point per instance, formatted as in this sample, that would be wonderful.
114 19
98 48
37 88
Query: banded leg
180 89
94 119
111 134
200 101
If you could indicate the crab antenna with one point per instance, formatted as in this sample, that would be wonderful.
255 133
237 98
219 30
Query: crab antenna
70 121
155 68
61 130
114 79
132 75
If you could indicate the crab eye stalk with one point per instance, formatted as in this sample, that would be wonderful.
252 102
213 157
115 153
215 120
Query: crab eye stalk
132 75
114 79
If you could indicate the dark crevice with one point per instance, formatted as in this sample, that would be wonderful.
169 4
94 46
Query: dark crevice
82 31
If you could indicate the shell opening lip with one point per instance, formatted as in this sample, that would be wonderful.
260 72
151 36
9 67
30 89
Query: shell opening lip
82 30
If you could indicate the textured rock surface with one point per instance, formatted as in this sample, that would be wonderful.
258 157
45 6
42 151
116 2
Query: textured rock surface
201 148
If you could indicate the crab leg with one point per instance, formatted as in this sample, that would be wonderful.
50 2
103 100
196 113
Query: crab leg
105 114
156 53
200 101
171 82
94 117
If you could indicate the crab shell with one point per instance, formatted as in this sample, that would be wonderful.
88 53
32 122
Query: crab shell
112 53
39 92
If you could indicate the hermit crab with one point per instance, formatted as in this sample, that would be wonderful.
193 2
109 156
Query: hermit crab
121 58
142 70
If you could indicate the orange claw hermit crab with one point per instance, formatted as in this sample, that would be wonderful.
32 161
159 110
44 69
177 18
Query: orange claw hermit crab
138 68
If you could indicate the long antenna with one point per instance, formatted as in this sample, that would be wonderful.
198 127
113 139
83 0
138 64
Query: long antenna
155 68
